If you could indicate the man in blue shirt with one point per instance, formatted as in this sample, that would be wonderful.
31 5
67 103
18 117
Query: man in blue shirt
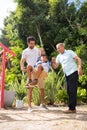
71 69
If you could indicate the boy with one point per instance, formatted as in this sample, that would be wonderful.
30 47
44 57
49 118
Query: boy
41 65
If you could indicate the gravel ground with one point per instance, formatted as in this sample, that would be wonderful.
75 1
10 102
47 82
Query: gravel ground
41 119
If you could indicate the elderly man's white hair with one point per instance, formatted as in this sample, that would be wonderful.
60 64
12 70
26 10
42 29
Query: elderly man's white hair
60 44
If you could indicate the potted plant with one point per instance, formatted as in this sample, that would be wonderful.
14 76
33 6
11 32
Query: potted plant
18 87
20 92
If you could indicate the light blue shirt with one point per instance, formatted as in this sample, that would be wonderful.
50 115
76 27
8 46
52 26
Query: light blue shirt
67 61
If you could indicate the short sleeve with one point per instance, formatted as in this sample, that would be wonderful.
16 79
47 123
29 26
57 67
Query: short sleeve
58 59
72 53
23 55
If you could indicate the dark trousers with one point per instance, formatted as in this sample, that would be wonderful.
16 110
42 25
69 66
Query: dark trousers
72 84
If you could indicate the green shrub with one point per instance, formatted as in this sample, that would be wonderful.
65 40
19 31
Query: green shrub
53 83
81 95
36 96
18 87
61 96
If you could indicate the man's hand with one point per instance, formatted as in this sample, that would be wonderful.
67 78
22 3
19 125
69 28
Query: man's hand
23 69
77 58
53 59
80 72
53 63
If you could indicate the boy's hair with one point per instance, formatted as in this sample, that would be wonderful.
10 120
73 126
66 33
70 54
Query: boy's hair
44 55
30 38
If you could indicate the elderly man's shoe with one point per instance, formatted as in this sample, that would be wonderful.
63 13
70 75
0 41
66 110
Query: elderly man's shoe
70 111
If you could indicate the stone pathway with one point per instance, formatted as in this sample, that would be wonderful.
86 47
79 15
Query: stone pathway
41 119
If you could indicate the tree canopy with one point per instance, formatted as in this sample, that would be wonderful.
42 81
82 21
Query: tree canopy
50 21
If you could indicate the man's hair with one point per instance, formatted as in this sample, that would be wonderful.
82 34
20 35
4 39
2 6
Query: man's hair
60 44
30 38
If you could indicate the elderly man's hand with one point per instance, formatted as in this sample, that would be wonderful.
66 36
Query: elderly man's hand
24 69
80 72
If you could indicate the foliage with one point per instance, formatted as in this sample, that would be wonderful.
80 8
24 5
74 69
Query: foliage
50 21
18 87
36 96
61 96
14 69
81 95
53 83
82 52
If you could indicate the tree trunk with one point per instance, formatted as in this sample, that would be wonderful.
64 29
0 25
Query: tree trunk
39 35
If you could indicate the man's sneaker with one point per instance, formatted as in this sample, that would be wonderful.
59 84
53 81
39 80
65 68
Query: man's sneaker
43 106
30 110
34 82
28 82
70 111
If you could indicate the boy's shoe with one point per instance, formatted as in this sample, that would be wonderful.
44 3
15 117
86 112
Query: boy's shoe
28 82
43 106
30 109
34 82
70 111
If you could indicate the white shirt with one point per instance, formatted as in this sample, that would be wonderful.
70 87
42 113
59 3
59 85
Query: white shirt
67 61
31 55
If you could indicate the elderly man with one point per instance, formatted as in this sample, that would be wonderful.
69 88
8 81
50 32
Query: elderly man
68 58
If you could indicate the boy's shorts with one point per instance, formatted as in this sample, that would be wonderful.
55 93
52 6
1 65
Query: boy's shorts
41 79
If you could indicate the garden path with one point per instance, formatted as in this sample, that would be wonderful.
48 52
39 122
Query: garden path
40 119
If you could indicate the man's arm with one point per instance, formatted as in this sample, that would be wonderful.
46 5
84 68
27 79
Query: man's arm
79 62
53 63
41 51
23 68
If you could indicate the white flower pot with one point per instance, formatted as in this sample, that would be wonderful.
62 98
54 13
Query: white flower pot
19 103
